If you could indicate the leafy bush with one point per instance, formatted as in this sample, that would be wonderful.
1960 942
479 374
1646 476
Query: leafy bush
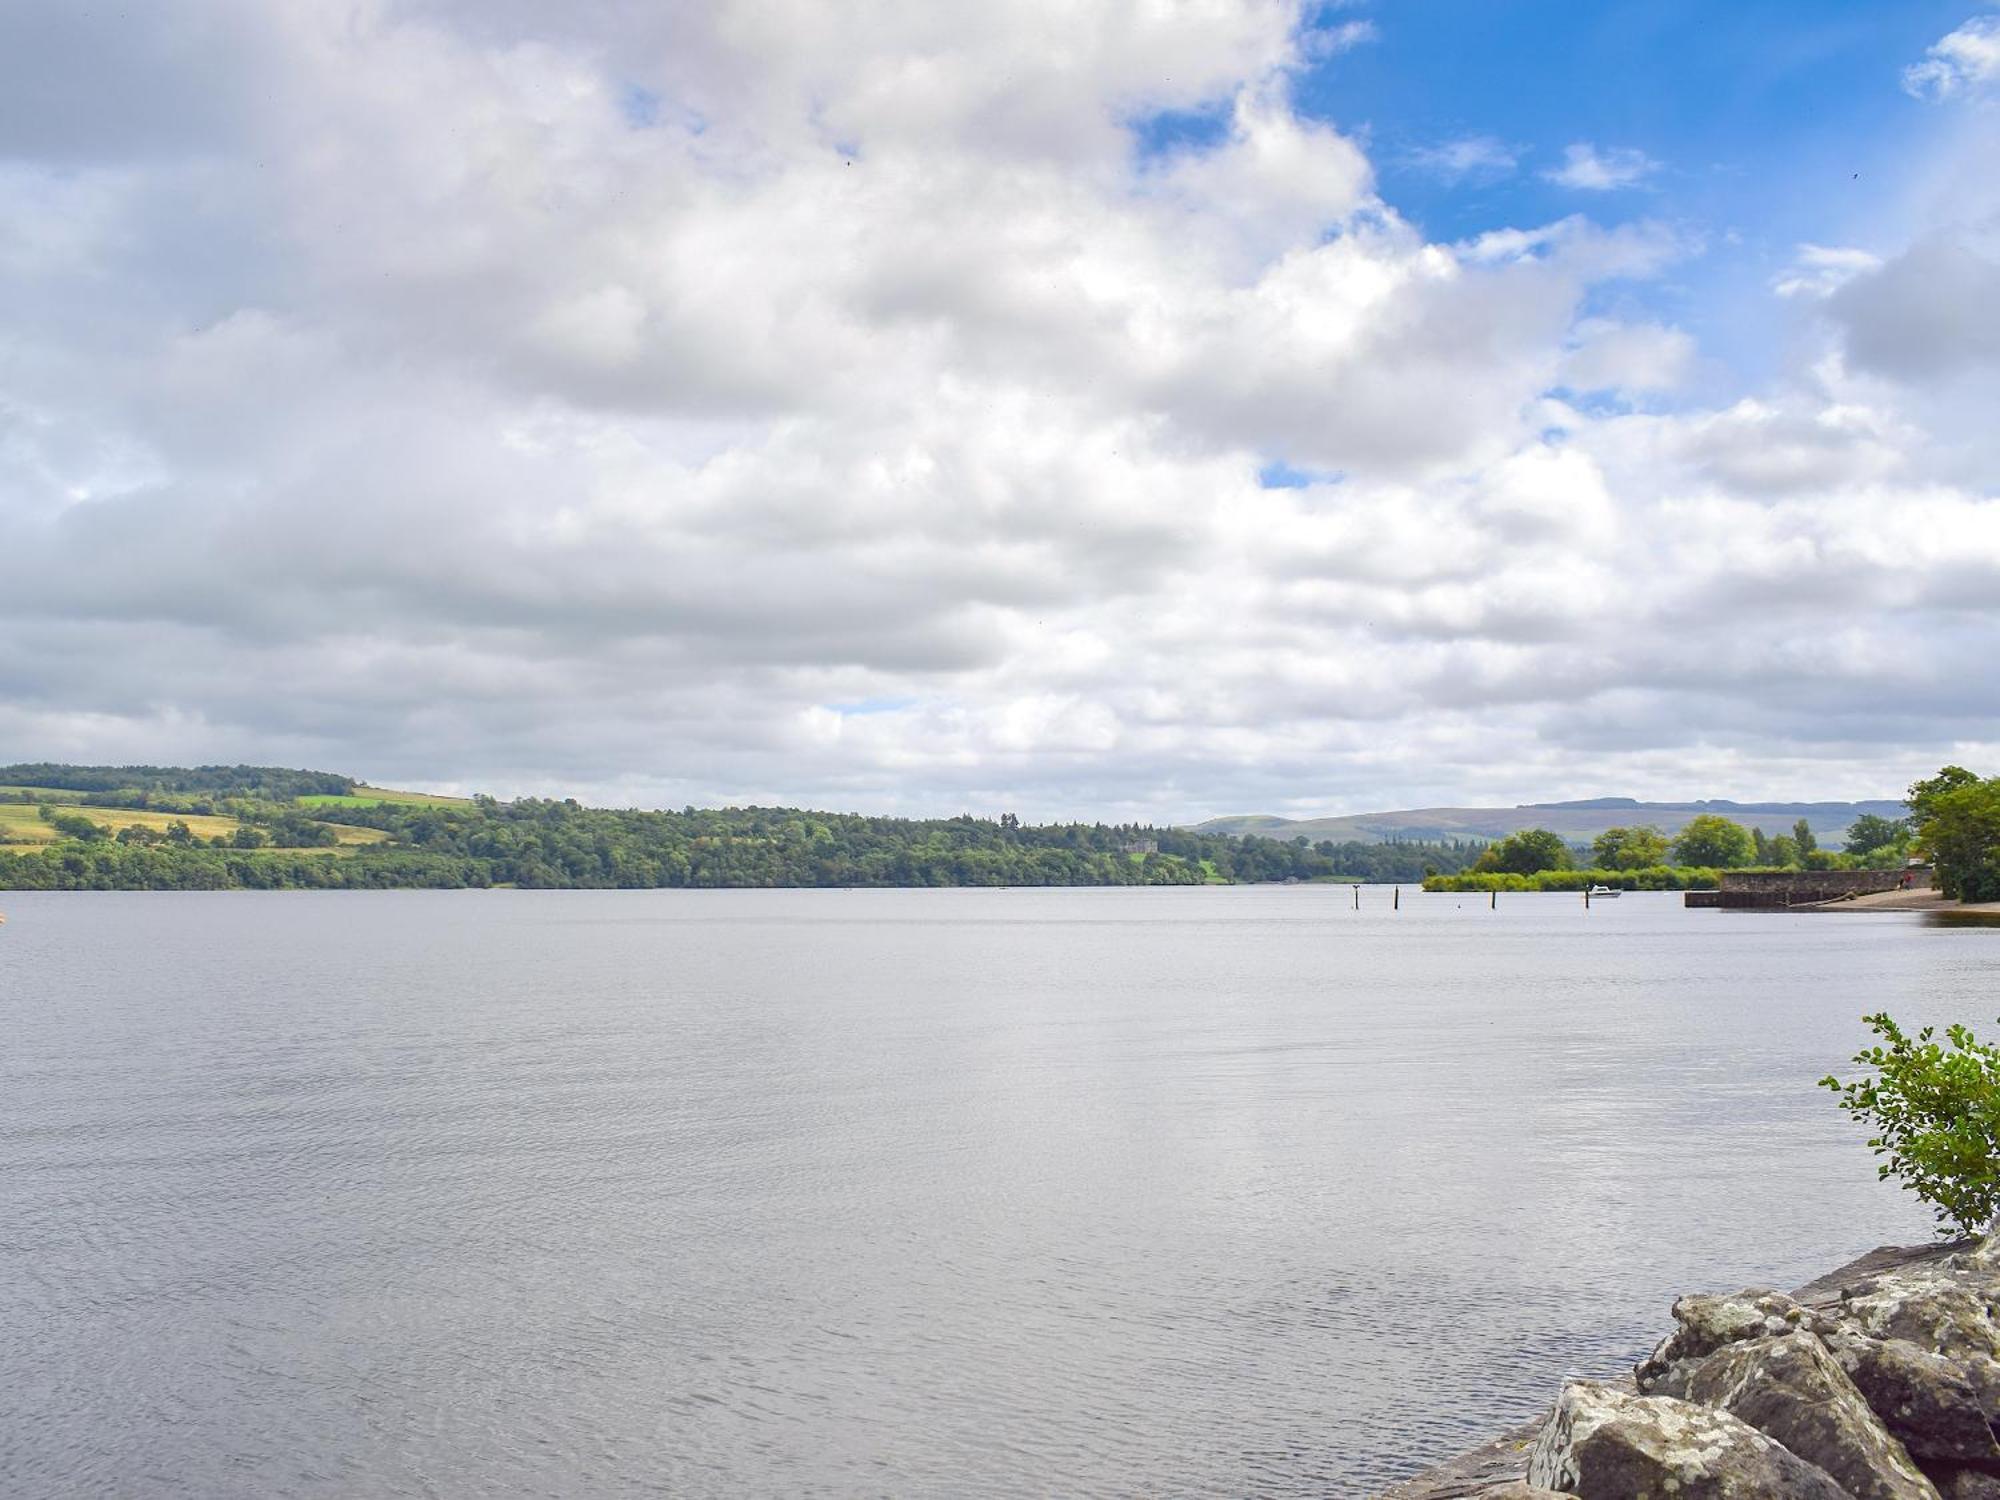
1526 852
1653 878
1935 1111
1711 840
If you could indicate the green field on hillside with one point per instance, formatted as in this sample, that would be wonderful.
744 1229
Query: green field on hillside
376 796
21 823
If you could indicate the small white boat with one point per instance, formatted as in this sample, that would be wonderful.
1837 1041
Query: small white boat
1599 892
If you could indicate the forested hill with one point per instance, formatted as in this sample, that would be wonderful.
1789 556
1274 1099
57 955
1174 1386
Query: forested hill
274 782
166 828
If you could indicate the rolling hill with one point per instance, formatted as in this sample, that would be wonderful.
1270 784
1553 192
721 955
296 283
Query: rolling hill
1578 822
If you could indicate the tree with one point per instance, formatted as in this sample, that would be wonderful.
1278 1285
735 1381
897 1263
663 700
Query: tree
1962 833
1923 795
1713 842
1871 835
1629 848
74 825
1802 836
1527 852
1936 1114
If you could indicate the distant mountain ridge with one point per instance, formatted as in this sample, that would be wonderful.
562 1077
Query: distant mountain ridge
1578 821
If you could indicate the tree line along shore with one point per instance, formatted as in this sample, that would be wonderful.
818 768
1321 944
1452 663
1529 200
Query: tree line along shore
252 827
65 827
1953 822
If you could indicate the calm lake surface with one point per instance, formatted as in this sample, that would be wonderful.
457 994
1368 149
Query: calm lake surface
980 1193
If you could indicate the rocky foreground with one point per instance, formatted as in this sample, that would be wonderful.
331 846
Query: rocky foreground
1879 1382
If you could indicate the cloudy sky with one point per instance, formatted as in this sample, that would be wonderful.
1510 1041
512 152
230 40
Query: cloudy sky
1083 407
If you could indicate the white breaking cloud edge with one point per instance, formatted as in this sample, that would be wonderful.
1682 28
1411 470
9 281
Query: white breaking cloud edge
1482 157
1964 61
1818 271
747 402
1588 169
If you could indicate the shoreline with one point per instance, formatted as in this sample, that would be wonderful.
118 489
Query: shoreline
1501 1462
1926 901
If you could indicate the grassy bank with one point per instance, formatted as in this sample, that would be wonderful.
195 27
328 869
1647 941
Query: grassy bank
22 823
1653 878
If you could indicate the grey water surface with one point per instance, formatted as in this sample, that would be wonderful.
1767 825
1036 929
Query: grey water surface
971 1193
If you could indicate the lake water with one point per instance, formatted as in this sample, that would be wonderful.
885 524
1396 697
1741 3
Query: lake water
971 1193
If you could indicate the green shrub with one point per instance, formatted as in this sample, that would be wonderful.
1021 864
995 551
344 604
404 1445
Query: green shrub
1525 853
1935 1111
1654 878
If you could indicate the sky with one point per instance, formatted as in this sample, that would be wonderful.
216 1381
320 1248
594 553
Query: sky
1075 408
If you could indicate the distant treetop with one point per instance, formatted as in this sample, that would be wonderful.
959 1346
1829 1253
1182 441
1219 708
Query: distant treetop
276 783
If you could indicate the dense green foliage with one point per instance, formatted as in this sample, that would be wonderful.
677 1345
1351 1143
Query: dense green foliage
1638 848
1958 818
1711 840
1653 878
1525 853
562 844
274 783
1935 1111
199 867
1924 796
1877 838
74 826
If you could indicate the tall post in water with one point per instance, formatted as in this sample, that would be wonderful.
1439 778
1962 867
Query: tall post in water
1493 899
1396 901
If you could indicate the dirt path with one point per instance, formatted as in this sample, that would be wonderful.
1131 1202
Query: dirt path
1923 900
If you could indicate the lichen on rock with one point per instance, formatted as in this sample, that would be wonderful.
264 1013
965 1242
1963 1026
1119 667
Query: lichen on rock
1602 1443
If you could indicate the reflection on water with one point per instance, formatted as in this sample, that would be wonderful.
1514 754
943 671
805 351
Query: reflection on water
1209 1192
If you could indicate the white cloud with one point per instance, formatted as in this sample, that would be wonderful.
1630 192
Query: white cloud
1964 61
1630 357
1819 271
1330 41
1469 158
1588 169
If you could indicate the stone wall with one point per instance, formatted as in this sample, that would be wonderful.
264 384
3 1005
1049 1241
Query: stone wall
1742 890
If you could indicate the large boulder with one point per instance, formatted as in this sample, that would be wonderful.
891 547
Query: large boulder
1704 1324
1791 1389
1944 1310
1601 1443
1922 1397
